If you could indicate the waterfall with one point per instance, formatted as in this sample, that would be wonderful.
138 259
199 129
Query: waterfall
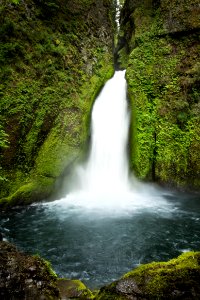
117 15
107 169
102 184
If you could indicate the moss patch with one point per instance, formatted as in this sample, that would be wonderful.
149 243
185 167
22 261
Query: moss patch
74 289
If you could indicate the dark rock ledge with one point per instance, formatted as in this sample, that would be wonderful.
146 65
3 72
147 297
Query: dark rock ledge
25 277
31 278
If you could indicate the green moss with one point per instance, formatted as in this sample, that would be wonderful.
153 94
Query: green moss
164 121
34 189
74 289
163 85
3 138
123 58
107 295
86 293
54 63
46 265
144 74
158 280
166 277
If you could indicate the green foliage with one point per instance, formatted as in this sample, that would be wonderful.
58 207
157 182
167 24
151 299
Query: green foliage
46 265
4 143
162 113
81 288
160 47
53 64
15 1
3 138
144 74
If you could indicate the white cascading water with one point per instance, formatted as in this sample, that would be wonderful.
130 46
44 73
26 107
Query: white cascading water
107 169
102 184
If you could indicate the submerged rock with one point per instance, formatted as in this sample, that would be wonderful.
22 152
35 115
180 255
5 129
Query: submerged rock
177 279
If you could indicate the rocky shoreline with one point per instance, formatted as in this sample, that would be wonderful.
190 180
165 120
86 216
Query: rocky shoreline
24 276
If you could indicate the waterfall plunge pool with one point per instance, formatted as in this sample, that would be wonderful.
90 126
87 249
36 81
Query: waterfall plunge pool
110 223
99 248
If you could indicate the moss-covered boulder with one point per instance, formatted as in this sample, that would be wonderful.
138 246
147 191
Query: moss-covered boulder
30 277
159 46
177 279
25 277
55 56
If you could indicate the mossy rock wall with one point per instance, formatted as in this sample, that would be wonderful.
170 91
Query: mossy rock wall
159 46
55 56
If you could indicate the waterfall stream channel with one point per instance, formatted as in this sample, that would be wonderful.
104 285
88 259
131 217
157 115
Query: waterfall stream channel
109 222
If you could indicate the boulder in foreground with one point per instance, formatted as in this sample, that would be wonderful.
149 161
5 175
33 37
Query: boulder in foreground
30 277
25 277
177 279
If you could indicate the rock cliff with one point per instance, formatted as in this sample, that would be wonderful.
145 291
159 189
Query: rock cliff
55 55
159 46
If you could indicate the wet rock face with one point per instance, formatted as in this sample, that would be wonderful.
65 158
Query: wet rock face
159 47
25 277
180 15
175 16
